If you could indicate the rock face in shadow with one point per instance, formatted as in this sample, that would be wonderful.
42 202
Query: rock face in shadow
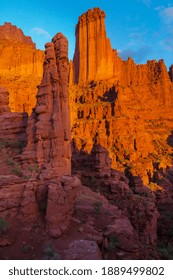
20 67
45 189
49 132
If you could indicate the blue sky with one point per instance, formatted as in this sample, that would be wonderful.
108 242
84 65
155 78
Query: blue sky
141 29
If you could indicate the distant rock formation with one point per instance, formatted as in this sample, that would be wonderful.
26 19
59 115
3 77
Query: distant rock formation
21 67
12 33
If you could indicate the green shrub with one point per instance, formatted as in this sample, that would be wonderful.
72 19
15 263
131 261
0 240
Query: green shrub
113 242
3 226
50 253
17 171
97 207
10 162
166 253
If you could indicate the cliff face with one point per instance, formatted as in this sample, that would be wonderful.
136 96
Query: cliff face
125 109
20 67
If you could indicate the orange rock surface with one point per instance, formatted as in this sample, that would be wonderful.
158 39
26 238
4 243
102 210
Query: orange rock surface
21 67
93 58
123 107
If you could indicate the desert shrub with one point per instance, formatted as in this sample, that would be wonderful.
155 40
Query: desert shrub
113 242
97 207
17 170
10 162
166 253
3 226
33 167
50 253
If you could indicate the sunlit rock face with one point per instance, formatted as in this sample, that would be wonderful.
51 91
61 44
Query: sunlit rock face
119 105
93 58
4 100
21 67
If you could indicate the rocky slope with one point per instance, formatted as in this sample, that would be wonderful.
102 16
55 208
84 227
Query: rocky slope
21 67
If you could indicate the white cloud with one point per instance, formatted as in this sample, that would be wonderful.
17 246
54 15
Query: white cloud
40 31
167 15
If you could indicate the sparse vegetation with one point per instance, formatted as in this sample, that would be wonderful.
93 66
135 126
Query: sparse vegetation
3 226
90 181
10 162
113 242
13 144
17 170
25 249
166 253
50 253
97 207
33 168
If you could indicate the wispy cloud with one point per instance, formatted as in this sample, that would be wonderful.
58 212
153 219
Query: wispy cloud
166 15
40 31
138 55
146 2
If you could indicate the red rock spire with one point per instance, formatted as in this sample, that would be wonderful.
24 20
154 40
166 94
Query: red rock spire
93 58
50 141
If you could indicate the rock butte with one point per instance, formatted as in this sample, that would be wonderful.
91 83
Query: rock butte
121 117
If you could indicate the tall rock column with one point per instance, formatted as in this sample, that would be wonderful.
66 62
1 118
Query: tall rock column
49 126
93 58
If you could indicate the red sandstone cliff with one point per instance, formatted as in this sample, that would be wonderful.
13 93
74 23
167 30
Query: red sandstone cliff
20 67
124 110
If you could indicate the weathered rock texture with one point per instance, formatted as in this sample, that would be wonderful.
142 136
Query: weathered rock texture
49 131
21 67
127 109
12 125
43 189
93 57
49 136
4 100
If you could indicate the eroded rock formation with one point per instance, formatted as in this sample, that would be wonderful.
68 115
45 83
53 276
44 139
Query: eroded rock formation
93 58
126 110
21 67
45 187
49 145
